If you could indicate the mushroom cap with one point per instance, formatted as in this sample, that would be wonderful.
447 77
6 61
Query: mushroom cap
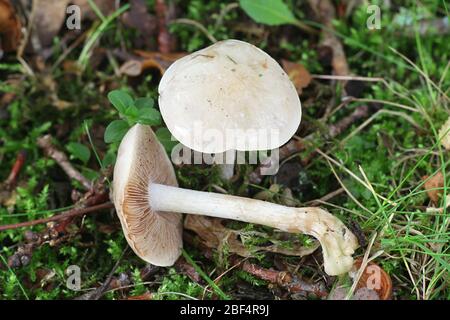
155 237
229 96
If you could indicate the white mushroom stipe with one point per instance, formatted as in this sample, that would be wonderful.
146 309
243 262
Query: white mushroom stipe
147 199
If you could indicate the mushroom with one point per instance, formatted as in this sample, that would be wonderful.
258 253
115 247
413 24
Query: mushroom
149 205
229 96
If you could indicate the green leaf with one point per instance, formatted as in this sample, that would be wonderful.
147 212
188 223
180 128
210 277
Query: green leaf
142 103
109 158
115 131
270 12
166 139
79 151
132 113
149 116
120 100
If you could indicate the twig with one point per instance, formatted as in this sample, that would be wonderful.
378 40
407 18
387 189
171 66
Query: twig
100 291
223 13
346 78
359 113
46 144
56 232
61 216
69 49
199 26
164 37
284 279
325 198
18 164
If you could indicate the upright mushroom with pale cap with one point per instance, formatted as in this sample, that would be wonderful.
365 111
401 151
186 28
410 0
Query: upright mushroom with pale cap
229 96
148 203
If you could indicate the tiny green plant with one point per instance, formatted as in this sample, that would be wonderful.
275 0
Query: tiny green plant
131 111
79 151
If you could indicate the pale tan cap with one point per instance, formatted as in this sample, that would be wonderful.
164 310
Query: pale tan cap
233 90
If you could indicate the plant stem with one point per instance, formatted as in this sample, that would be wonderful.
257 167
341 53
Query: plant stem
65 215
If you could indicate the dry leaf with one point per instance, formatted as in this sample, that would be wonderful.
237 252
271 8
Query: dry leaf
444 134
374 278
215 235
8 198
131 68
49 17
151 60
326 13
10 27
298 74
436 181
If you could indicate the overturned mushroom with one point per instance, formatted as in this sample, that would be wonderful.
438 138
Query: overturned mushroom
149 203
229 96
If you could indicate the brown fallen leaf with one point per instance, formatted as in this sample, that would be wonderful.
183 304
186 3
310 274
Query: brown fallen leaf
10 27
150 60
326 13
298 74
49 17
215 235
430 185
132 68
373 278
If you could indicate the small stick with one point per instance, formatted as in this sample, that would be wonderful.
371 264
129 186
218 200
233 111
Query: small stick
346 78
325 198
359 113
65 215
164 37
18 164
284 279
60 157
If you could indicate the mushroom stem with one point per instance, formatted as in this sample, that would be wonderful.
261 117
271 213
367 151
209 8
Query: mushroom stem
227 167
338 243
